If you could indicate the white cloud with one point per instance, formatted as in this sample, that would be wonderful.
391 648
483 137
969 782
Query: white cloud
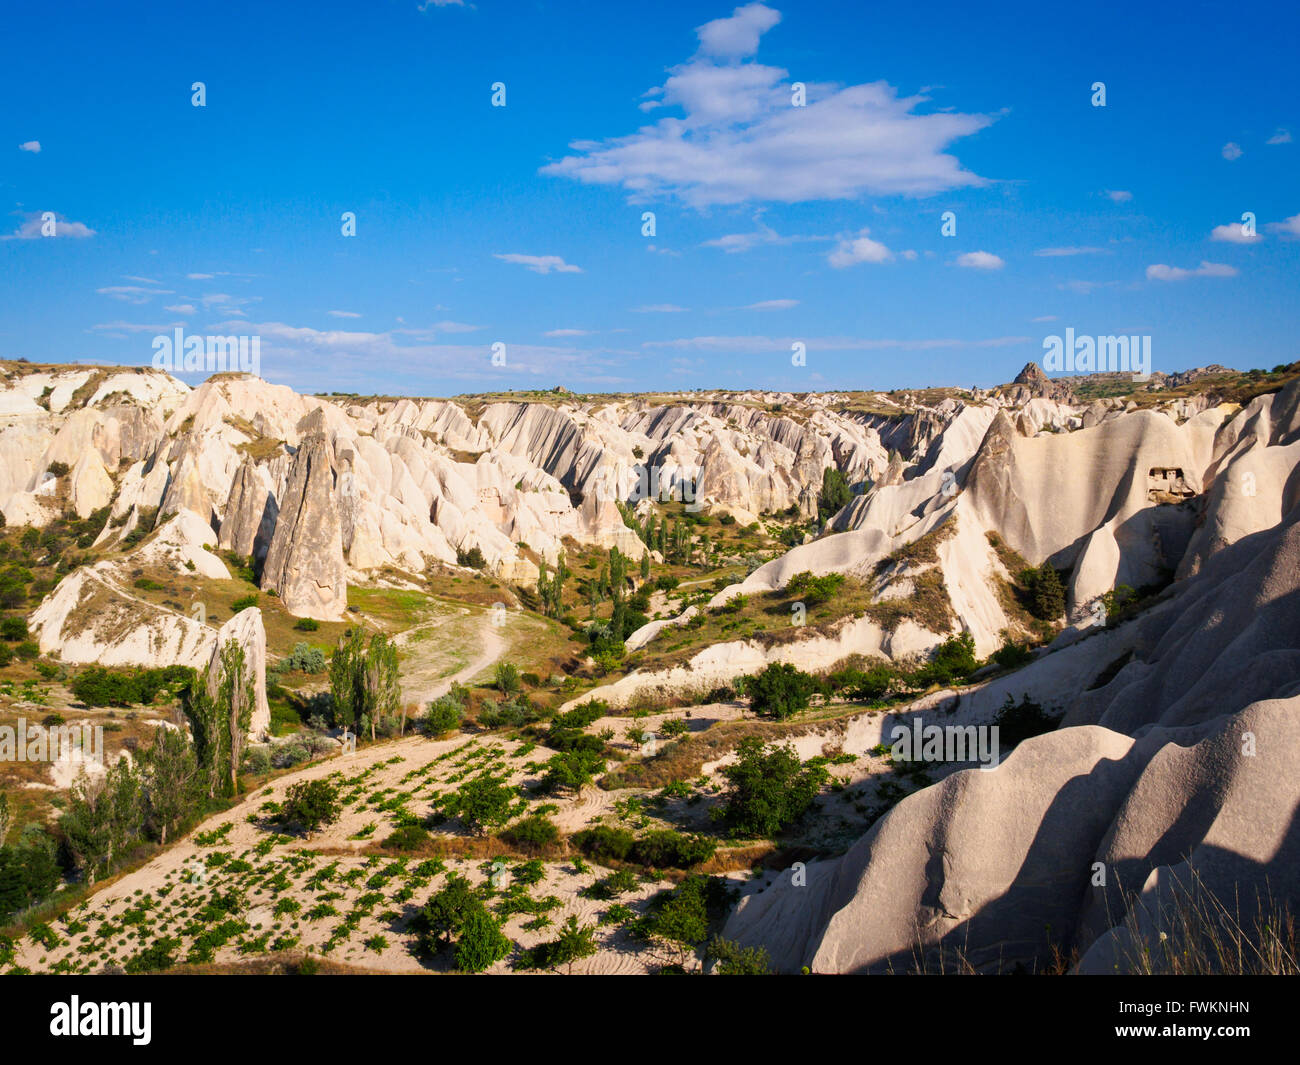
426 4
1058 252
1282 136
1161 272
736 37
181 308
133 293
1289 228
567 333
740 139
31 229
200 277
540 264
343 314
1231 151
121 328
980 260
771 305
857 248
30 146
659 308
1119 195
1044 318
455 327
1234 233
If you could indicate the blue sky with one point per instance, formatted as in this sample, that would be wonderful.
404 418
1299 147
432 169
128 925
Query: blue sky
775 224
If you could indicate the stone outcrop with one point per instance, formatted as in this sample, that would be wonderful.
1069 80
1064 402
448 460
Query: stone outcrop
304 563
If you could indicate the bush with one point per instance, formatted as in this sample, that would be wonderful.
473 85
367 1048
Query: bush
59 469
243 603
311 804
306 624
605 843
481 941
305 659
769 788
534 833
1018 722
407 838
472 558
444 714
780 691
663 848
731 959
953 660
814 590
1011 654
482 803
28 650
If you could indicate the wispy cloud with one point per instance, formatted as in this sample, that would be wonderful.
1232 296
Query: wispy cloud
771 305
1282 136
741 344
1059 252
659 308
539 264
1161 272
1231 151
1288 228
343 314
1118 195
133 293
567 333
741 140
30 146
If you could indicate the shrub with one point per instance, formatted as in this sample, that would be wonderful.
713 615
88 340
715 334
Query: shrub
306 624
663 848
1018 722
1011 654
59 469
243 603
305 659
814 590
731 959
407 838
28 650
472 558
534 833
604 842
444 714
482 803
769 788
780 691
311 804
481 941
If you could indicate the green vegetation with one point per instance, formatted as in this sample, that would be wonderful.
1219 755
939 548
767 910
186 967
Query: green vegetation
769 788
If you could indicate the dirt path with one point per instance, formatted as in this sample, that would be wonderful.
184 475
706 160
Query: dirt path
431 648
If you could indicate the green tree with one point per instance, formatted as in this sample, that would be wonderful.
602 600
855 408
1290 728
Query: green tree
769 788
835 493
1048 595
780 691
312 804
173 781
480 943
482 802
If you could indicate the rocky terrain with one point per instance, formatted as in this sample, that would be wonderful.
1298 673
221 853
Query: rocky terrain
1169 669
